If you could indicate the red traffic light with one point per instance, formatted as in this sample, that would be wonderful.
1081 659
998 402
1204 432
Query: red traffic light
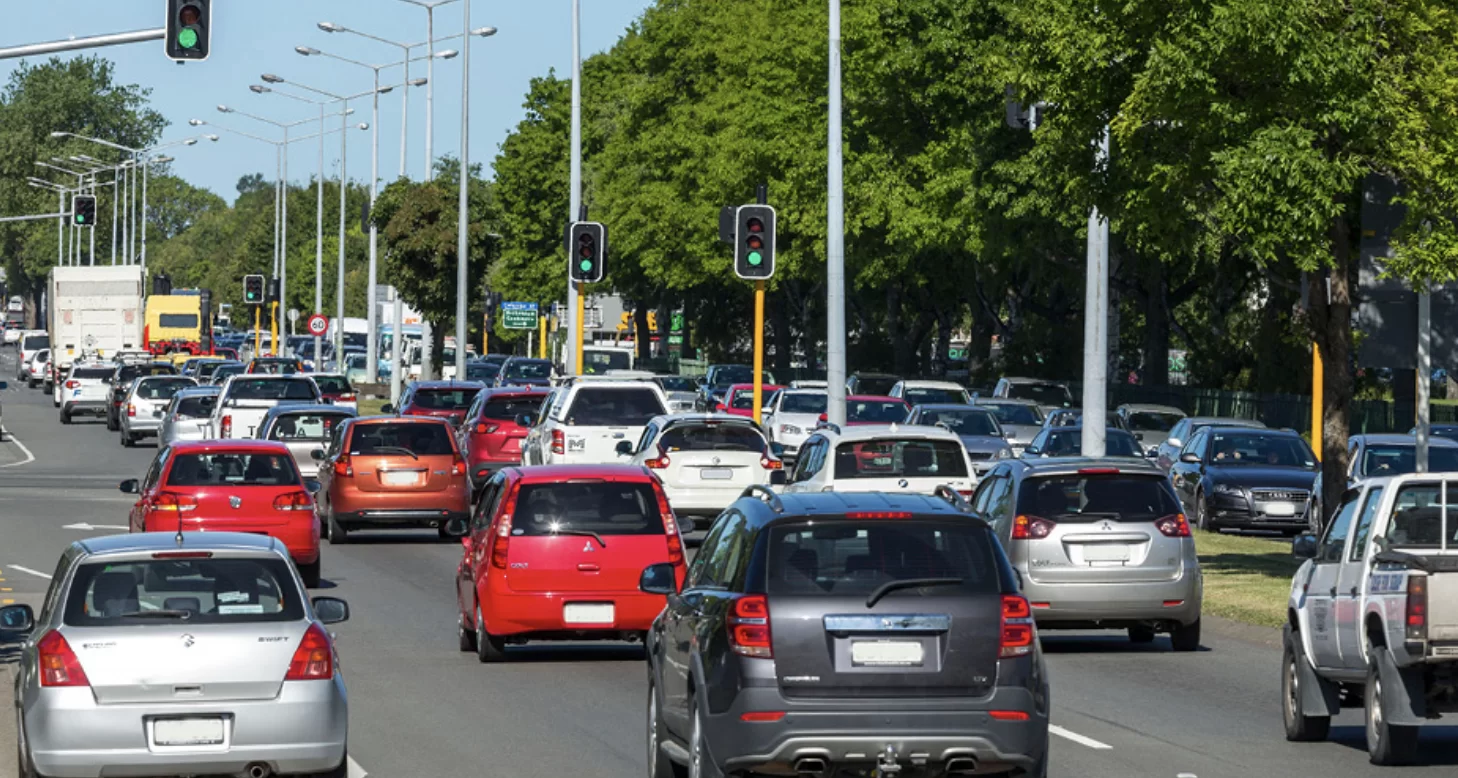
189 15
755 225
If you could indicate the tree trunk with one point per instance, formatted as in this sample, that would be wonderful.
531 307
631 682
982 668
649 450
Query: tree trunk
1332 329
900 353
1156 329
642 335
943 352
665 325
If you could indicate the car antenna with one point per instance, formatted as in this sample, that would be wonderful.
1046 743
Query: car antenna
179 533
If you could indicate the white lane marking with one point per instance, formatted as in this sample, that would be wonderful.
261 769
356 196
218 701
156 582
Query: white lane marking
29 457
355 771
1054 729
36 573
89 527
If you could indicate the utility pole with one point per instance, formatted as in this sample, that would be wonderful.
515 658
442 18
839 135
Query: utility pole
1096 324
1424 376
462 216
835 367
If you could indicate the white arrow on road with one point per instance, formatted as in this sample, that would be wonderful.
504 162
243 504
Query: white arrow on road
89 527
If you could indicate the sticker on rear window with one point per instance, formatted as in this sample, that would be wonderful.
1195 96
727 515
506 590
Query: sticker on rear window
232 597
234 610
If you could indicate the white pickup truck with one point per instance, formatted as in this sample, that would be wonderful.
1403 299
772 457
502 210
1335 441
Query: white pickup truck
1374 612
245 399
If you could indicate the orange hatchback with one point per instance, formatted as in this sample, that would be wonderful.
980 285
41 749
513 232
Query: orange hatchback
390 472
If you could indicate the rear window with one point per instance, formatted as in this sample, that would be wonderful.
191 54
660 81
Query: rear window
1422 516
677 383
1086 498
712 437
266 389
162 388
968 422
304 426
803 403
92 373
225 371
333 384
900 459
1044 394
531 369
482 371
603 361
127 373
604 407
234 468
400 439
875 411
875 385
1023 415
859 557
199 591
508 408
1153 421
1401 460
276 368
573 508
34 342
445 399
929 396
194 407
206 369
1068 442
185 321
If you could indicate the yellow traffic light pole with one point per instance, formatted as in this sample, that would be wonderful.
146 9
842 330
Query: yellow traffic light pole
542 341
1317 396
257 329
581 326
758 350
485 334
273 329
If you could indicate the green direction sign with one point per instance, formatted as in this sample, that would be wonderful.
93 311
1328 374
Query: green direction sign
519 316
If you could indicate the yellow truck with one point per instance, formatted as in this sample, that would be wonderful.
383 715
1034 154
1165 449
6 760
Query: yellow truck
175 324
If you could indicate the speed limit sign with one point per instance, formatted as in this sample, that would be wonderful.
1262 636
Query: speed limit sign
318 325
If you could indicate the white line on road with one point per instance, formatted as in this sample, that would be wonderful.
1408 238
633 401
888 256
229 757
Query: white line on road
355 771
1054 729
36 573
89 527
29 457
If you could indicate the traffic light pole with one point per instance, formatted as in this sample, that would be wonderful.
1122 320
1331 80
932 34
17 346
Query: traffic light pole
257 329
577 330
542 354
273 332
758 349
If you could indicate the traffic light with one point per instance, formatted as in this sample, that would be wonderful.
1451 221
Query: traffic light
754 242
83 211
274 295
253 290
188 25
587 252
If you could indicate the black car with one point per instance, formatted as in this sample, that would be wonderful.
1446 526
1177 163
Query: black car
524 371
121 381
837 634
1068 442
1245 478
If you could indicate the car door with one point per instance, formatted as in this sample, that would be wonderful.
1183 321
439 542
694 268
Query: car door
147 491
1321 587
812 456
472 571
331 455
1185 476
1168 451
679 620
1347 604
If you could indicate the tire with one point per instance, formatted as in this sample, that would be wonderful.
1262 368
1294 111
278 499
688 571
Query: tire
466 637
310 573
1141 634
112 426
659 766
700 764
65 416
1387 745
128 441
338 533
1299 728
489 648
1186 637
1202 513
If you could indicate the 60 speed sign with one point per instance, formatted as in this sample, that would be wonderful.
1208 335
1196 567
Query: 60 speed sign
318 325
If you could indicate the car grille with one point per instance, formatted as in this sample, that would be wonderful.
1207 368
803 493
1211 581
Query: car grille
1279 495
978 455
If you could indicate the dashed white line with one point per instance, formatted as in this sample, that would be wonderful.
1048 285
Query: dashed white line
29 457
36 573
1083 740
355 771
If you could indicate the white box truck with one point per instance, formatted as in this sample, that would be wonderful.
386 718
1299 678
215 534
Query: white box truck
93 313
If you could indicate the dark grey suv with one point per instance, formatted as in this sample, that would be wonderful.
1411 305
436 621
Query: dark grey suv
827 634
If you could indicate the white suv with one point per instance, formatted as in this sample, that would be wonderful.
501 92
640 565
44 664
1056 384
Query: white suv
882 458
705 461
791 415
31 343
87 389
585 420
930 393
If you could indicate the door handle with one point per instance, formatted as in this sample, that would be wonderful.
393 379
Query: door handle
588 567
1354 591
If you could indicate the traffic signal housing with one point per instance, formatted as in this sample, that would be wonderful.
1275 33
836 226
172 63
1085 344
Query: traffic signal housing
754 242
253 291
189 23
587 252
83 211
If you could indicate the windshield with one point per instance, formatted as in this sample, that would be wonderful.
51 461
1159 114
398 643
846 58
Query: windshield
94 373
807 402
531 369
1086 498
875 384
1153 421
33 342
1009 413
602 508
712 436
677 383
458 399
233 468
355 360
179 321
304 426
969 422
509 408
1239 448
1401 460
333 384
386 438
1043 394
482 371
209 591
162 388
273 389
604 407
728 375
356 340
900 458
1068 442
931 396
858 557
875 411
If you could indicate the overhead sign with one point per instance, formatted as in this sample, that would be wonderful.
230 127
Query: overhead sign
519 316
318 325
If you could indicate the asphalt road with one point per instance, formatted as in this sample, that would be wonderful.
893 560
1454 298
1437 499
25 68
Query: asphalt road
422 709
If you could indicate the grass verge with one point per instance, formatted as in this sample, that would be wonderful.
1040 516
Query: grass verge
1247 579
370 406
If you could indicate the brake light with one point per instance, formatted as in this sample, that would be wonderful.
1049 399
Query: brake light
293 501
1417 607
314 658
183 555
670 528
1098 471
501 541
1017 627
342 467
966 495
72 384
347 396
771 464
559 442
659 463
131 409
749 629
878 515
482 428
175 503
1031 528
459 468
1008 715
1173 526
226 428
58 663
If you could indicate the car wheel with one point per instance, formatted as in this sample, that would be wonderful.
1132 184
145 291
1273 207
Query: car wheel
65 416
338 533
128 441
1202 513
699 766
489 648
467 637
1186 637
112 426
1141 634
1299 728
310 573
659 766
1387 744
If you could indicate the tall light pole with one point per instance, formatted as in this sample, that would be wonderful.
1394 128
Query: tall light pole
574 206
430 41
835 240
60 191
1096 325
463 258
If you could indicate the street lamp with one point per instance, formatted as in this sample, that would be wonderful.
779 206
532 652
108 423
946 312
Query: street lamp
463 258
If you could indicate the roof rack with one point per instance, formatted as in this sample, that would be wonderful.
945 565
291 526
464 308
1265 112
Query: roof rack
954 497
766 495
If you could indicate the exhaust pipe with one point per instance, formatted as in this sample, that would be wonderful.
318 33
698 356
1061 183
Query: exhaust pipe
961 765
258 770
810 765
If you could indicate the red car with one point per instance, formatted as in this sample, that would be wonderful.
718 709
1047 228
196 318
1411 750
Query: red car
250 486
489 437
863 409
447 400
556 552
739 398
336 390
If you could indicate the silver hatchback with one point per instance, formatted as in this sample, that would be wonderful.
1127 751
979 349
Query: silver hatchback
170 655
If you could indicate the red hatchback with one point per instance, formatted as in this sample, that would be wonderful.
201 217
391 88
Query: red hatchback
447 400
556 553
739 398
249 486
489 437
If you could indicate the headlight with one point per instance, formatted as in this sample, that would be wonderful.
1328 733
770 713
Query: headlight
1004 453
790 429
1234 491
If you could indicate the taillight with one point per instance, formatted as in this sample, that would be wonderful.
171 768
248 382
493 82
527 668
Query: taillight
346 396
482 428
559 442
226 428
1417 607
459 468
1031 528
131 409
342 467
293 501
72 384
658 463
174 503
878 515
749 629
501 541
670 528
1173 526
314 658
1017 626
58 663
770 463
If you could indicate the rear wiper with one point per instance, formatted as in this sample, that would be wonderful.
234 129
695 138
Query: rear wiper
583 532
396 450
157 614
910 583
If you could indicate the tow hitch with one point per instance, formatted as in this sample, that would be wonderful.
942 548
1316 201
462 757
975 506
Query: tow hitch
886 764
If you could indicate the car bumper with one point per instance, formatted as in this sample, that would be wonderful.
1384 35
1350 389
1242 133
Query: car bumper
483 469
1114 605
702 501
303 730
508 613
1238 513
300 536
401 517
85 406
853 738
140 426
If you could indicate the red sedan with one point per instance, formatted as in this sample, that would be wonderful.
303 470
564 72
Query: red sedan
556 552
447 400
248 486
739 398
490 437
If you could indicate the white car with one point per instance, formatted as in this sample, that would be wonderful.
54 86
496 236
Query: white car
930 393
586 419
187 415
145 403
34 370
31 342
704 461
809 385
12 335
86 390
791 415
882 458
245 399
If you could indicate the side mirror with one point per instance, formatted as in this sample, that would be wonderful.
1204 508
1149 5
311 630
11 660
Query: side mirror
387 408
624 448
1032 451
1304 547
658 579
1192 459
17 618
130 486
685 525
526 420
313 485
331 610
317 455
1175 442
779 478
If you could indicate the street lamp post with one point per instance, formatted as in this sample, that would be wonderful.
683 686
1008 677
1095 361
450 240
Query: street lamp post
575 175
835 366
430 41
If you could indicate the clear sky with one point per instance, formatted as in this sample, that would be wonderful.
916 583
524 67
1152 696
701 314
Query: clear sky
252 37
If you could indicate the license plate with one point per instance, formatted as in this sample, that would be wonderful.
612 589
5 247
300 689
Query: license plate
399 478
887 653
187 732
589 613
716 474
1105 552
1279 508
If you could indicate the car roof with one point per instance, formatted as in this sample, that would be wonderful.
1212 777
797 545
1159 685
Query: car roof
559 473
809 390
1079 428
873 431
312 408
225 446
1227 421
721 418
948 407
167 541
448 385
863 374
874 398
1151 407
920 384
516 391
1024 380
1071 465
791 507
1005 401
1394 439
1272 431
382 418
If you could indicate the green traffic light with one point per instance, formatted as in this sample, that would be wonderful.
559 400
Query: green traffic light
187 39
80 219
585 266
755 258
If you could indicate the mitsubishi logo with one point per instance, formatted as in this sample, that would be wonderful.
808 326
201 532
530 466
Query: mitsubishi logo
1108 526
187 641
235 501
588 546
